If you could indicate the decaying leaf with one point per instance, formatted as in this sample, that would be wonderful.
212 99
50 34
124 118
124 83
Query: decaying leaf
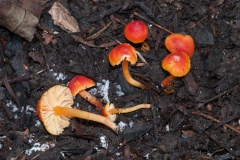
37 57
20 17
47 38
62 18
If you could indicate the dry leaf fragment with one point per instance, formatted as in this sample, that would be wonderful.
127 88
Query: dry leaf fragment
47 38
62 18
37 57
20 17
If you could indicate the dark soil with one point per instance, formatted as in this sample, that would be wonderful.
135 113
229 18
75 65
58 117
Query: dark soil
199 120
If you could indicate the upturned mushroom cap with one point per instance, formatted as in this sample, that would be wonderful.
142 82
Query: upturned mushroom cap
177 64
105 112
121 52
55 96
136 31
177 43
79 83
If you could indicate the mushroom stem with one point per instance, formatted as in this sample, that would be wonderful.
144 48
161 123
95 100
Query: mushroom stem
72 112
130 109
145 47
128 76
166 82
91 99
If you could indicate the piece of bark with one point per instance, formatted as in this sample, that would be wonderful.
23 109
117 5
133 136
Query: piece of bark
190 83
20 17
62 18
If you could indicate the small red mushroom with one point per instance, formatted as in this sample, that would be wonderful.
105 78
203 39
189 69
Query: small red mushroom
125 53
178 65
137 32
78 84
110 111
54 110
178 43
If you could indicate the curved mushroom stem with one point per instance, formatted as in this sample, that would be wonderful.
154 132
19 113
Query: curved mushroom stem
145 47
128 76
91 99
72 112
130 109
166 82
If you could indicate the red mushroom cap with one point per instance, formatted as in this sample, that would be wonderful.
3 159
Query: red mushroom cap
136 31
79 83
121 52
177 64
177 43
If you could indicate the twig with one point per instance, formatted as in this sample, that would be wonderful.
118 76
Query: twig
216 120
81 40
148 12
198 22
222 145
219 95
155 24
9 88
95 35
142 58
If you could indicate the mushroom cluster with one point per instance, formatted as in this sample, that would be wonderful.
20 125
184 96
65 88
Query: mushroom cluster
54 109
177 63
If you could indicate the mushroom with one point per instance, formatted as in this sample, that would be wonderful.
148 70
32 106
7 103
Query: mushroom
54 110
78 84
137 32
125 53
110 111
178 65
178 43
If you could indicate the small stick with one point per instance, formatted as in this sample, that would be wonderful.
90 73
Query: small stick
95 35
219 95
142 58
198 22
216 120
155 24
9 88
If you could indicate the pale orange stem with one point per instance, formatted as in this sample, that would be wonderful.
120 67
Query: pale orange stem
72 112
91 99
128 76
166 82
130 109
145 47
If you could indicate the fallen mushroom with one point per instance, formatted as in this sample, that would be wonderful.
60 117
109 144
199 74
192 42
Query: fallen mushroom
125 53
178 65
54 110
137 32
110 111
78 84
178 43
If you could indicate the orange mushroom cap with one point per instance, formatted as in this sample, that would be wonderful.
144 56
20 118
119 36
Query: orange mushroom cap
55 96
178 43
136 31
177 64
121 52
79 83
